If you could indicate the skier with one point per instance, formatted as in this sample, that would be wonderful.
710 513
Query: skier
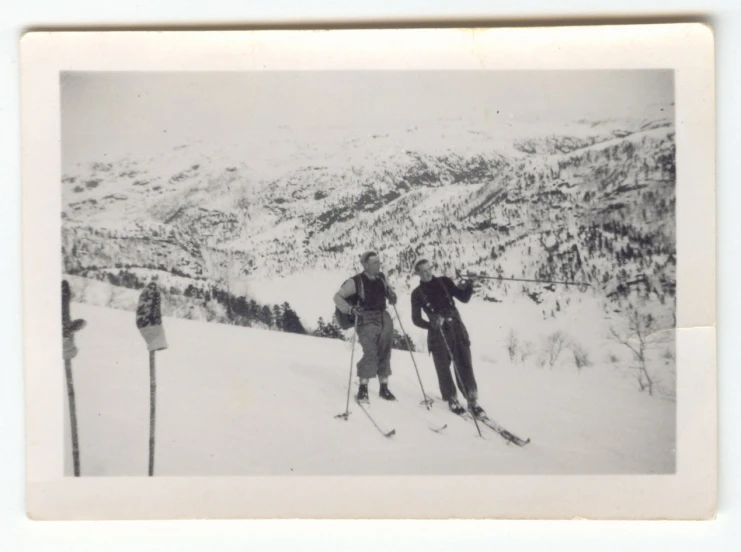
364 296
446 332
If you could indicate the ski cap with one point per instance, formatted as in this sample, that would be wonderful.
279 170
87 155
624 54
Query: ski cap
419 261
367 255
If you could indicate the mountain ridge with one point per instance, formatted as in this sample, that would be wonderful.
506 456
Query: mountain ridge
595 205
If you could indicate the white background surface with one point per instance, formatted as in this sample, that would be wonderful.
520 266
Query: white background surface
16 533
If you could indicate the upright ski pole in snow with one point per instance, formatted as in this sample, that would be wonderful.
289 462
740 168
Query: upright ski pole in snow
346 414
152 406
458 375
149 322
72 417
69 351
426 401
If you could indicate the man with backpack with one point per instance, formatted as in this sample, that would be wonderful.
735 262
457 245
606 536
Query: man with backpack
362 300
446 335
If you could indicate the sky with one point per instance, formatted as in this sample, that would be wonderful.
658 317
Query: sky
117 113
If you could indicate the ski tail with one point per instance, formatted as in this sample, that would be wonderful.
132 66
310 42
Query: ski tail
508 436
379 428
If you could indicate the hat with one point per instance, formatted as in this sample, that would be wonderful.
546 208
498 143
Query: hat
419 261
367 255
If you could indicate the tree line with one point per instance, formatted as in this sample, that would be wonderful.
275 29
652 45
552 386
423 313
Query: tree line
241 311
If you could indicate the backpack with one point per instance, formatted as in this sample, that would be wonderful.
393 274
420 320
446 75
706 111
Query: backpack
347 321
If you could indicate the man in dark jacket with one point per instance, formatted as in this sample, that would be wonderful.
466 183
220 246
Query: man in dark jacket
364 296
446 334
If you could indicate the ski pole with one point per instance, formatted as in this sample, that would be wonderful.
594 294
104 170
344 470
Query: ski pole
346 414
72 417
479 277
427 401
149 322
152 406
460 379
69 351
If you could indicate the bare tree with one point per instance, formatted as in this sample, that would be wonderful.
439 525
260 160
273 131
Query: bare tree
526 351
637 337
512 345
554 346
581 357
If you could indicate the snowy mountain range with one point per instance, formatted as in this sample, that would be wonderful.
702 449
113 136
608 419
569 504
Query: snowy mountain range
589 201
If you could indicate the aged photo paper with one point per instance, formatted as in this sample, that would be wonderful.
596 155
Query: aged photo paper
400 273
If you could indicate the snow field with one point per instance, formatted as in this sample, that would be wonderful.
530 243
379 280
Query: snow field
244 401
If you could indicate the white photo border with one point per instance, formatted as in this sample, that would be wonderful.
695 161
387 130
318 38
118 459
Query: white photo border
690 493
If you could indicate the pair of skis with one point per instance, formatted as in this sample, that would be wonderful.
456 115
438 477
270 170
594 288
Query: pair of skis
491 424
383 432
505 434
511 438
427 402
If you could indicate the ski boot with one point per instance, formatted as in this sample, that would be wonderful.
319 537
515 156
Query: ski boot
384 393
476 410
456 407
362 395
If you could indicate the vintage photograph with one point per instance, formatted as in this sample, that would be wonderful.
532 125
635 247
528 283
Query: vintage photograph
290 273
370 274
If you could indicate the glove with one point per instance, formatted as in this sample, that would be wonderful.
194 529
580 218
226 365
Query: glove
357 311
149 318
469 286
437 321
465 284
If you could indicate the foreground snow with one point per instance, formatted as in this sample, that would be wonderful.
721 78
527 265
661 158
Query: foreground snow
239 401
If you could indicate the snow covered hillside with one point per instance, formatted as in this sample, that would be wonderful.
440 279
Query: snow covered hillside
592 200
244 401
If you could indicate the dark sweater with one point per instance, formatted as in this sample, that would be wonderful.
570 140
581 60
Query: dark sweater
440 302
375 293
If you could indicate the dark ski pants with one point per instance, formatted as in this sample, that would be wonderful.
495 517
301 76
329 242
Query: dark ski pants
459 343
375 333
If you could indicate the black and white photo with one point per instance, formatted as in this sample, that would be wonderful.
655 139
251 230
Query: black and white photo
339 272
254 197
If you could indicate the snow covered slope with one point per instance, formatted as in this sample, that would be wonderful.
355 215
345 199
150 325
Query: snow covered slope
244 401
533 199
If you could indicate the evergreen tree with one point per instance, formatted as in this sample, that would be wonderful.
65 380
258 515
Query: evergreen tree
291 322
321 329
240 307
333 331
278 315
329 330
399 342
253 310
266 316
